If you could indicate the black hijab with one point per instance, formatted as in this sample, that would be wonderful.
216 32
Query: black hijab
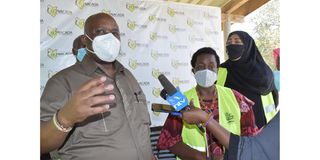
251 76
250 72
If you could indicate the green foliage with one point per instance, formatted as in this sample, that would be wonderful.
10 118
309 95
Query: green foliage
267 30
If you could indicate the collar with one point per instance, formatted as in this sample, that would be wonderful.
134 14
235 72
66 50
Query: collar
89 66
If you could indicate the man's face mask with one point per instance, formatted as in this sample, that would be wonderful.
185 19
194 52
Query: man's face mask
205 78
235 51
81 53
106 47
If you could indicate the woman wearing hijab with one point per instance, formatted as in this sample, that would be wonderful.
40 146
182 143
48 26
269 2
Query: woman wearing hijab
247 72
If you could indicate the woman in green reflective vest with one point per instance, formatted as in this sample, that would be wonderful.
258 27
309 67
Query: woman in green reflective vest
230 108
247 72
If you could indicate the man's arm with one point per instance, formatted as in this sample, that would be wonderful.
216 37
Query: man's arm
196 116
86 101
262 146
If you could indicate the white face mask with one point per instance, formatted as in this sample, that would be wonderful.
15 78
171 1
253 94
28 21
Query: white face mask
106 47
205 78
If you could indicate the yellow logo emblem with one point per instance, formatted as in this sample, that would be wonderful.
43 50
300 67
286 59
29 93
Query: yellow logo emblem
106 11
130 7
51 73
175 81
190 22
132 44
171 12
52 53
154 54
133 63
153 36
52 32
131 24
79 22
172 28
155 73
174 64
173 47
80 3
52 10
152 18
156 92
156 114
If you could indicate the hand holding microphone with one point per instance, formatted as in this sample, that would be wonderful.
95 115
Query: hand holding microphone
175 98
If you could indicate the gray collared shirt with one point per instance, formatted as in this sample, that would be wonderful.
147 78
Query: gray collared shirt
122 133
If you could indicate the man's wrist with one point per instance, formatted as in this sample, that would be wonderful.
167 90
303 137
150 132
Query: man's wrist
208 119
60 126
63 120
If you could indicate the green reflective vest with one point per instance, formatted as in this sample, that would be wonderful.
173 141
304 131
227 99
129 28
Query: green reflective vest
267 100
229 117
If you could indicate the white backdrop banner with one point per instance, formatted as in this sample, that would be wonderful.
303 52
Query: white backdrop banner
156 37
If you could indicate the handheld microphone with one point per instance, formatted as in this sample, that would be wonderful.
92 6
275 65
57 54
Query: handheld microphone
175 98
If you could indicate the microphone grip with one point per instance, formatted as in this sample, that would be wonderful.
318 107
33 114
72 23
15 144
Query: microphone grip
201 128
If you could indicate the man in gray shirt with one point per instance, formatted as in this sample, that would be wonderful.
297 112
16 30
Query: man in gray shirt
95 109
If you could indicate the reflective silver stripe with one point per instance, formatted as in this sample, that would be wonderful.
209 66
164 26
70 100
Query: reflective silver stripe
270 108
202 149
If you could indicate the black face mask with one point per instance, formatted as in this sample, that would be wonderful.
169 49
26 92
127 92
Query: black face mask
235 51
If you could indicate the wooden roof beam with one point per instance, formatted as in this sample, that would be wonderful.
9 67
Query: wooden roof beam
232 5
232 18
195 1
249 7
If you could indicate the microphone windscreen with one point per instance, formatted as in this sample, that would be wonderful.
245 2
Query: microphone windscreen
167 85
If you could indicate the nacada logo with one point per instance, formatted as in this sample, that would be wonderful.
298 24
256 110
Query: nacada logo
176 64
51 73
155 54
154 36
133 44
156 72
132 25
156 92
81 4
79 22
171 12
132 7
208 16
53 32
174 46
53 53
191 22
53 11
174 29
209 31
133 63
177 81
193 38
153 18
113 14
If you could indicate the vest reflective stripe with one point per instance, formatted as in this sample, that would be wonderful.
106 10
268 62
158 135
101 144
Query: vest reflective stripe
268 106
222 76
267 100
229 116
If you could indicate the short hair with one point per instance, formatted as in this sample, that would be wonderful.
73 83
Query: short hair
204 50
